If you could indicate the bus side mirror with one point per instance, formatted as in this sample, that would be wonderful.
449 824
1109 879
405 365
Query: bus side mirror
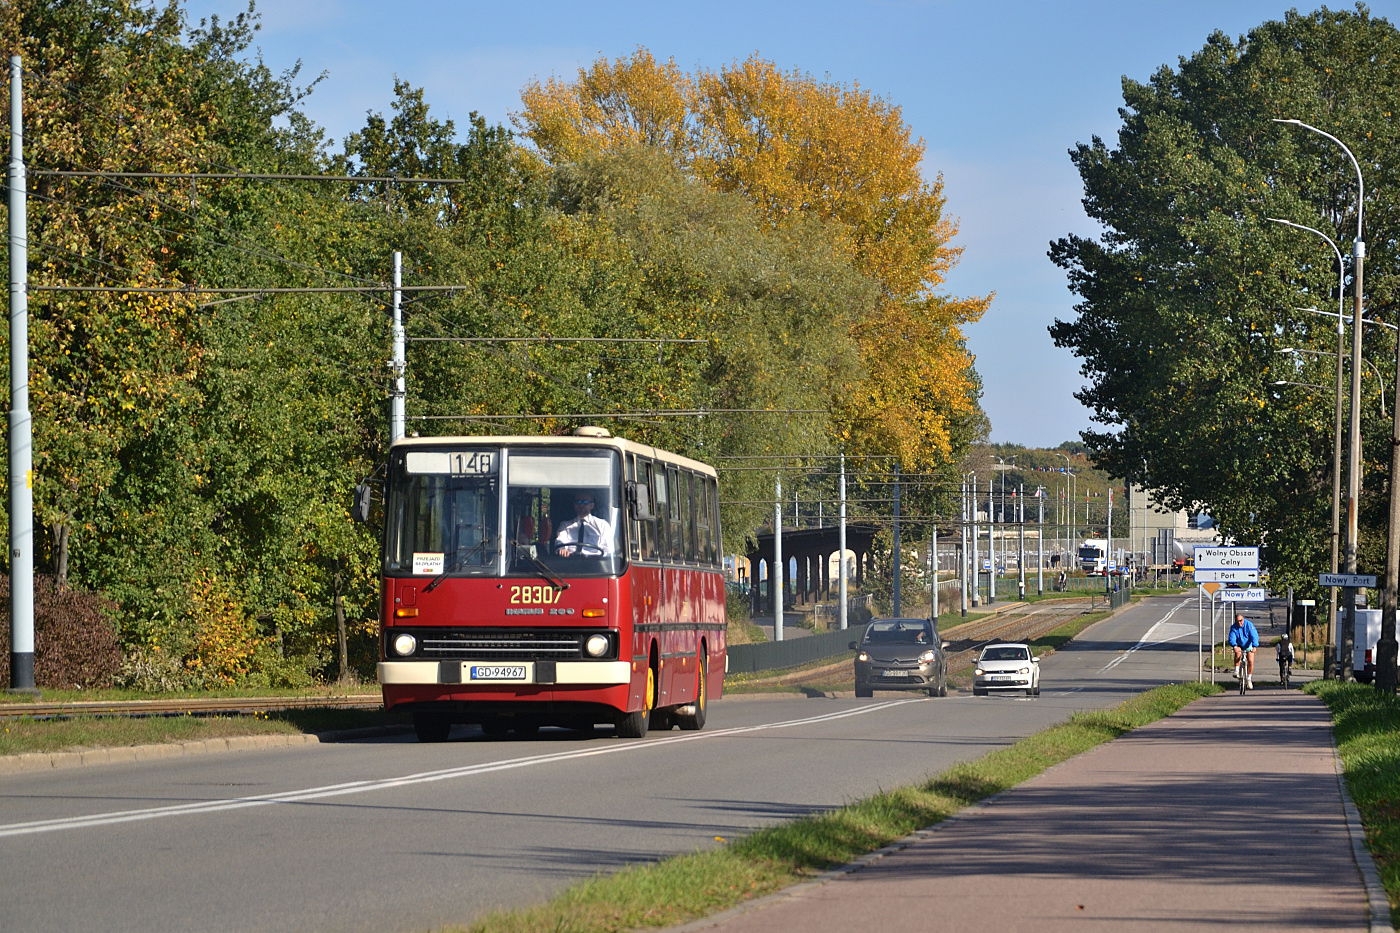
359 509
639 498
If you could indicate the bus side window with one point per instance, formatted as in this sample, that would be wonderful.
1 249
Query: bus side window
647 526
661 508
687 504
713 511
705 519
677 541
634 527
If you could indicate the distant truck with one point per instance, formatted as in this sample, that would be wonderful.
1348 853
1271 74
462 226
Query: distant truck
1093 557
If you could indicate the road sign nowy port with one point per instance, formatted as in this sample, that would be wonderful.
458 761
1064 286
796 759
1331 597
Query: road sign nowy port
1346 579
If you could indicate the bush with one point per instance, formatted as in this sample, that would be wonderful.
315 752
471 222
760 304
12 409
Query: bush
75 637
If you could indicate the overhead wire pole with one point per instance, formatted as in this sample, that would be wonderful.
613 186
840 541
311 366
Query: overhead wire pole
21 428
896 561
398 366
775 575
841 540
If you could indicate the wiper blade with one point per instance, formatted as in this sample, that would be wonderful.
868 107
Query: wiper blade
541 568
450 564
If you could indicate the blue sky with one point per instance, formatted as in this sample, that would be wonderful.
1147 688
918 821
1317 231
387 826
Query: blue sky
998 91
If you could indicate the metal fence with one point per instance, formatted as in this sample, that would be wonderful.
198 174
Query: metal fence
777 655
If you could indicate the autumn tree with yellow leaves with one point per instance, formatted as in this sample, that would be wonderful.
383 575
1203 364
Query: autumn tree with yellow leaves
794 147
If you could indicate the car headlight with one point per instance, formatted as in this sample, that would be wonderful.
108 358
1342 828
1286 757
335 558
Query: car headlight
979 672
862 657
928 656
404 644
1025 670
596 646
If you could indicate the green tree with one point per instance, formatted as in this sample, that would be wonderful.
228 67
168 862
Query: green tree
1190 295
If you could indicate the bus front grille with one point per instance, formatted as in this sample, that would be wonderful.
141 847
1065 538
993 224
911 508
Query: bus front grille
502 646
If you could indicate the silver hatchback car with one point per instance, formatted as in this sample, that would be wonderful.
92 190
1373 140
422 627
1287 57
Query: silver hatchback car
901 654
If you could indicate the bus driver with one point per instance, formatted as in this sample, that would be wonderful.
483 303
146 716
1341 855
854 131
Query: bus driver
587 535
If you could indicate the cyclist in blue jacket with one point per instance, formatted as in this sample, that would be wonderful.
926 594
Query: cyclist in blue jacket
1244 638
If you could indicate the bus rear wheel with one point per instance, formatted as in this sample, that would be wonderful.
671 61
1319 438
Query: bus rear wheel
691 718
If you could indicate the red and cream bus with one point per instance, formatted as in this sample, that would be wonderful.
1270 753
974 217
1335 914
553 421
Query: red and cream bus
549 580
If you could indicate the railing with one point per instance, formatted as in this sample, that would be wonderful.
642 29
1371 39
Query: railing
859 609
777 655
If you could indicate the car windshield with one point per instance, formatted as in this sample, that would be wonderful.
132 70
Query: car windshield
899 632
1006 653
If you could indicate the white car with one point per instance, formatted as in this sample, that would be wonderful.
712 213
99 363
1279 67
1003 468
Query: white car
1006 666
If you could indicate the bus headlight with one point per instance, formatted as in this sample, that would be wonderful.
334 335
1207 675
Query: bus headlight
404 644
596 646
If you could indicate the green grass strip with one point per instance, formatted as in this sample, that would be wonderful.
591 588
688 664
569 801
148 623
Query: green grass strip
1367 727
684 887
53 735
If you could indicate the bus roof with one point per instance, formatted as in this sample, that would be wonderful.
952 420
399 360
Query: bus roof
522 440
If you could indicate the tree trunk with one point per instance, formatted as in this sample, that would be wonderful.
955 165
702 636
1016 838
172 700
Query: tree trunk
340 631
61 531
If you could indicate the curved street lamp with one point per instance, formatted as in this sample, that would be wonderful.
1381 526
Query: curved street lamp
1354 456
1336 415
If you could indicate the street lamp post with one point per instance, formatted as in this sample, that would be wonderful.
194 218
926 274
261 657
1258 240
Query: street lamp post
1336 417
1069 472
1392 556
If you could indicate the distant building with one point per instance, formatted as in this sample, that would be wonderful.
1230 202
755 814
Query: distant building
1157 537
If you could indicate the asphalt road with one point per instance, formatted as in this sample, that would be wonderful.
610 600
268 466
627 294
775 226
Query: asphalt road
393 835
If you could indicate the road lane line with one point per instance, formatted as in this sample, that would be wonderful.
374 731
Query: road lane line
1147 638
425 777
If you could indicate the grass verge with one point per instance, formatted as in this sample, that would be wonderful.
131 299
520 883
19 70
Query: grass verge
109 694
55 735
1367 726
684 887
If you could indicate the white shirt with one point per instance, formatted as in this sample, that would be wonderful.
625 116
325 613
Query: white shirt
589 530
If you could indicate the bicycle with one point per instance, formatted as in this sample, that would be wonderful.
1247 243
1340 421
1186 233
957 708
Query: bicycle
1285 671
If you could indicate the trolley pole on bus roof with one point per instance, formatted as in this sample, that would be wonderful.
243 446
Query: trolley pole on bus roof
21 436
775 575
841 540
398 365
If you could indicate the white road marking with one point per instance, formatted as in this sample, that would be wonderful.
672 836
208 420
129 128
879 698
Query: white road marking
425 777
1147 639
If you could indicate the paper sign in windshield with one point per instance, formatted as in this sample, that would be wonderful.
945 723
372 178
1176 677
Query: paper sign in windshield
425 562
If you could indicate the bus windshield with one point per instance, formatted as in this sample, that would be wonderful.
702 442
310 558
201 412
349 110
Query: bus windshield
559 509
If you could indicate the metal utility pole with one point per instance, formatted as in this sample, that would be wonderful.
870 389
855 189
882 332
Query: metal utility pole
962 550
895 597
1040 542
933 557
775 577
991 542
976 563
21 431
1021 558
398 365
1108 544
841 540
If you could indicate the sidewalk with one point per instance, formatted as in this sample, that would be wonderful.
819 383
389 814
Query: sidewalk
1227 815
